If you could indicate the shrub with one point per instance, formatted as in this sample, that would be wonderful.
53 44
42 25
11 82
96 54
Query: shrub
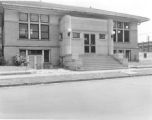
19 60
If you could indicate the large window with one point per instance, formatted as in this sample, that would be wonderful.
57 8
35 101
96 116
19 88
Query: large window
121 32
33 26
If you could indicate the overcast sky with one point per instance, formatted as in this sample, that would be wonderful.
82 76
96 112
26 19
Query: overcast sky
135 7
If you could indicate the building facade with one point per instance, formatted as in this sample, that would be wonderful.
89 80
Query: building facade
55 34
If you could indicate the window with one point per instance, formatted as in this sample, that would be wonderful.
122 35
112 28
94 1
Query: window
61 36
76 35
114 24
126 36
34 17
119 24
126 25
120 35
114 36
34 31
34 52
44 31
23 17
145 55
102 36
23 30
46 56
121 31
44 18
22 52
33 26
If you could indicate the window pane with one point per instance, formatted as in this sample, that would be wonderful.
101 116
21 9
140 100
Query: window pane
46 55
34 17
44 31
35 52
114 36
86 49
23 53
23 30
23 16
93 50
92 39
44 18
126 25
120 24
86 38
34 31
114 24
76 35
45 28
126 35
45 36
120 35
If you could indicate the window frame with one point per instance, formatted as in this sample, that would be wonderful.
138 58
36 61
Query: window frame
34 31
78 35
102 36
30 22
25 31
116 28
45 32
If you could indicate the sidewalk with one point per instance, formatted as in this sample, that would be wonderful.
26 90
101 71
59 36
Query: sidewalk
61 75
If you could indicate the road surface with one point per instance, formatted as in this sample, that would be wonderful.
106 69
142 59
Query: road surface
114 99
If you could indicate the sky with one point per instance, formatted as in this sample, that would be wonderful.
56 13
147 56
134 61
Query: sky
135 7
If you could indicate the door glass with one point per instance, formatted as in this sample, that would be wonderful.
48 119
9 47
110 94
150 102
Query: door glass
86 39
93 50
86 49
92 39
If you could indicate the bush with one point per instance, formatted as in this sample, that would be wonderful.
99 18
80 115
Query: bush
19 60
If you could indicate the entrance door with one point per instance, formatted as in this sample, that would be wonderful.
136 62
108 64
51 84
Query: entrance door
89 43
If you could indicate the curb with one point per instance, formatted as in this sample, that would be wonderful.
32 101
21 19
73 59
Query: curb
17 73
77 80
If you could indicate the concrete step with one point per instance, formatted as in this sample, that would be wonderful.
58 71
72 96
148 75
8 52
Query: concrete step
100 63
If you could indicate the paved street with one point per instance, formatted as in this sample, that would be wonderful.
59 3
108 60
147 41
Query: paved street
114 99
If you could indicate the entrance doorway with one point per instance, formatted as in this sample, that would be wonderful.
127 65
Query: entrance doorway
89 43
36 58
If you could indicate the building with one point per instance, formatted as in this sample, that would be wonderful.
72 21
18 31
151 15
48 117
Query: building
54 34
145 46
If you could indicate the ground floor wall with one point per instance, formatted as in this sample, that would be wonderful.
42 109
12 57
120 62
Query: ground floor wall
132 54
10 52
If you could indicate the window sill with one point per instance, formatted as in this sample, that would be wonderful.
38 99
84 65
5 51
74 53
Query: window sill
34 39
122 42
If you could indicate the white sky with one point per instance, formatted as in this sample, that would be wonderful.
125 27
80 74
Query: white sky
135 7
